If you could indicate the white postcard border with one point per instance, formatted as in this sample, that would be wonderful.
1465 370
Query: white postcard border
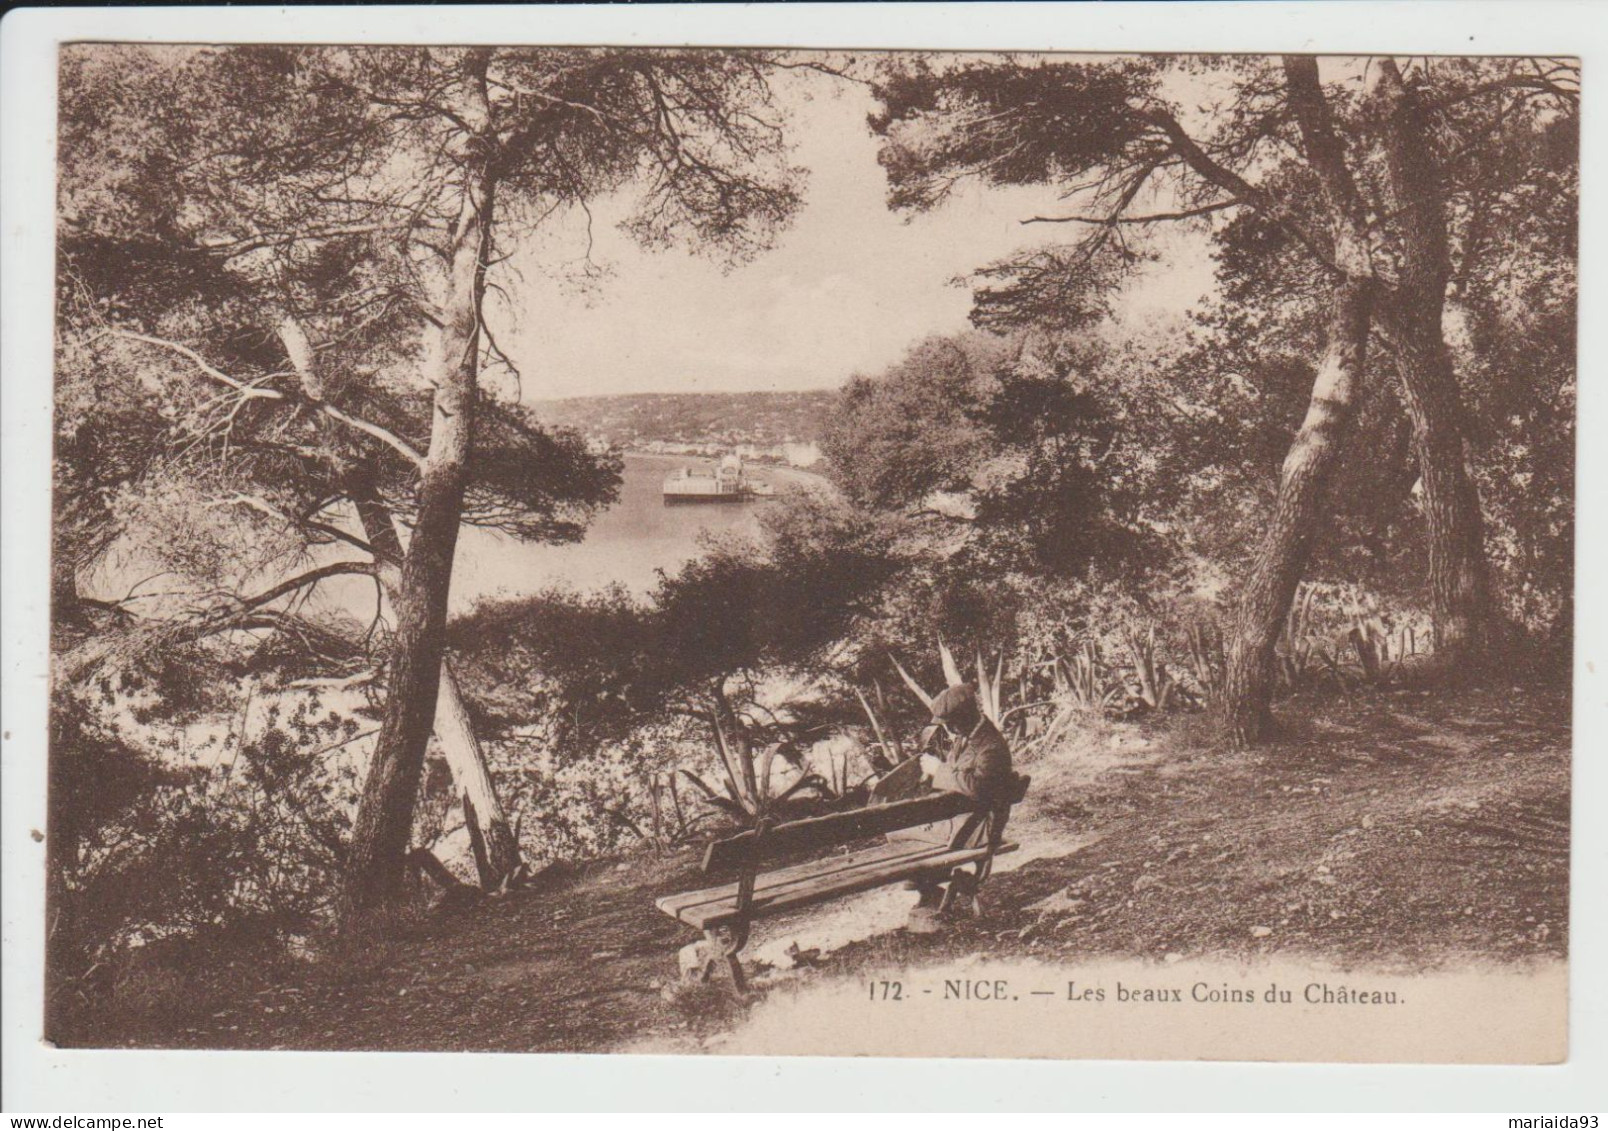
38 1078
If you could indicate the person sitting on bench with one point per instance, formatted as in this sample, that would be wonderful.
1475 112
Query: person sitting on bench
978 766
979 760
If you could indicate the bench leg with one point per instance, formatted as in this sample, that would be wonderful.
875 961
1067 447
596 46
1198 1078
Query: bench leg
734 967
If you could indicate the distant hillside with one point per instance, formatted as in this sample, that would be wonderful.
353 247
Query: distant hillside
727 419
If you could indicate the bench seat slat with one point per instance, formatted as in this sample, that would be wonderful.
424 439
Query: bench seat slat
820 833
815 882
809 869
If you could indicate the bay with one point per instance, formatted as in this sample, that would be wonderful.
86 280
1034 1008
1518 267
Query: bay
627 544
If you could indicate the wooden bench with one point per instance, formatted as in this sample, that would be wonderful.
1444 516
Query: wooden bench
941 843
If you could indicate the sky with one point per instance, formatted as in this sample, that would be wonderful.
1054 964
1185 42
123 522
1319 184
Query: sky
847 288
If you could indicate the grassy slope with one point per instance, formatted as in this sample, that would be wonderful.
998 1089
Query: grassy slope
1399 831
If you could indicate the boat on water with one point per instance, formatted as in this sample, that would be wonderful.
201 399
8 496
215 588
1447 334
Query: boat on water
726 482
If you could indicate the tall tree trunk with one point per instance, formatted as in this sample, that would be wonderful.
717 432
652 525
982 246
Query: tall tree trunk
1459 580
375 867
454 730
1297 517
1300 506
1458 576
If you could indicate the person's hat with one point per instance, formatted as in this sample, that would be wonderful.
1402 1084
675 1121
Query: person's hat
953 703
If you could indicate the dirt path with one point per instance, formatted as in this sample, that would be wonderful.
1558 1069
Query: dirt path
1398 831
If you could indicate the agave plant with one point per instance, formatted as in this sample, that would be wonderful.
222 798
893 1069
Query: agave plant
1084 681
989 691
747 763
1300 653
1208 662
748 805
673 823
886 752
1156 684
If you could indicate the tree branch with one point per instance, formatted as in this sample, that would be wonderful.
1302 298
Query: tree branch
1514 82
200 362
1237 186
1151 218
229 249
384 435
257 503
234 612
304 580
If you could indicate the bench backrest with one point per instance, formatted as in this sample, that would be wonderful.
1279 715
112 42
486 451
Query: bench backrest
748 850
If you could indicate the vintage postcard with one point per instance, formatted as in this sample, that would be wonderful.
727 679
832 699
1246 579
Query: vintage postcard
782 551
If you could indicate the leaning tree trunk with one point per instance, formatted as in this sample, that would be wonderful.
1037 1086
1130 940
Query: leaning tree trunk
375 867
1299 510
454 730
1297 517
1458 578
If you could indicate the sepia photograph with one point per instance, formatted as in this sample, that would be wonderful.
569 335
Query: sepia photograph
790 552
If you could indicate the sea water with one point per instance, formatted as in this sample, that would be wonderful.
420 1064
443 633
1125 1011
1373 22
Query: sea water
627 544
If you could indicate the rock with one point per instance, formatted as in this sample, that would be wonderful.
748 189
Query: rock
1368 821
804 957
1261 932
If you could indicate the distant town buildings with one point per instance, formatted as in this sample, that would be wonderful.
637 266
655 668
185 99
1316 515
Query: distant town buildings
780 429
794 453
